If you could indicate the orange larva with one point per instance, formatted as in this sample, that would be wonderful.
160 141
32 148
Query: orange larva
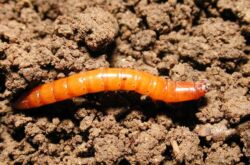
111 79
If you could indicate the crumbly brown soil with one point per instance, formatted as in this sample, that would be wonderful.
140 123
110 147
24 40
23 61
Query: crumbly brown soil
179 39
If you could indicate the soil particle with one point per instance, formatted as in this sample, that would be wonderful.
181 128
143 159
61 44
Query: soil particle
66 126
134 121
167 16
6 12
126 49
240 8
128 21
108 148
81 113
107 125
180 72
18 120
150 58
185 145
48 9
32 130
223 154
96 27
211 112
216 132
235 93
201 47
43 159
157 17
234 112
163 120
101 26
148 146
244 132
4 107
39 139
86 122
246 69
143 39
8 35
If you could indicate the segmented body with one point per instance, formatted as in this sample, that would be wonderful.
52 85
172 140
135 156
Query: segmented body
111 79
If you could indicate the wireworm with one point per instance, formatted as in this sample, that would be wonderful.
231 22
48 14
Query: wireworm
112 79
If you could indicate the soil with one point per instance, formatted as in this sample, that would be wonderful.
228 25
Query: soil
41 41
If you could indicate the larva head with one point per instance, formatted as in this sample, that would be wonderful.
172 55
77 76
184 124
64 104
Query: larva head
185 91
201 87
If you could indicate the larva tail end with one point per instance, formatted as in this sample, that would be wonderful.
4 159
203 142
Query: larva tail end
21 103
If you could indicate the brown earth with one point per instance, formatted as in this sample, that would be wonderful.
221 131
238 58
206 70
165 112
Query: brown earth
179 39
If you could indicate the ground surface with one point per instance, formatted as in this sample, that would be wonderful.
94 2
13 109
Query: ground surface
179 39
